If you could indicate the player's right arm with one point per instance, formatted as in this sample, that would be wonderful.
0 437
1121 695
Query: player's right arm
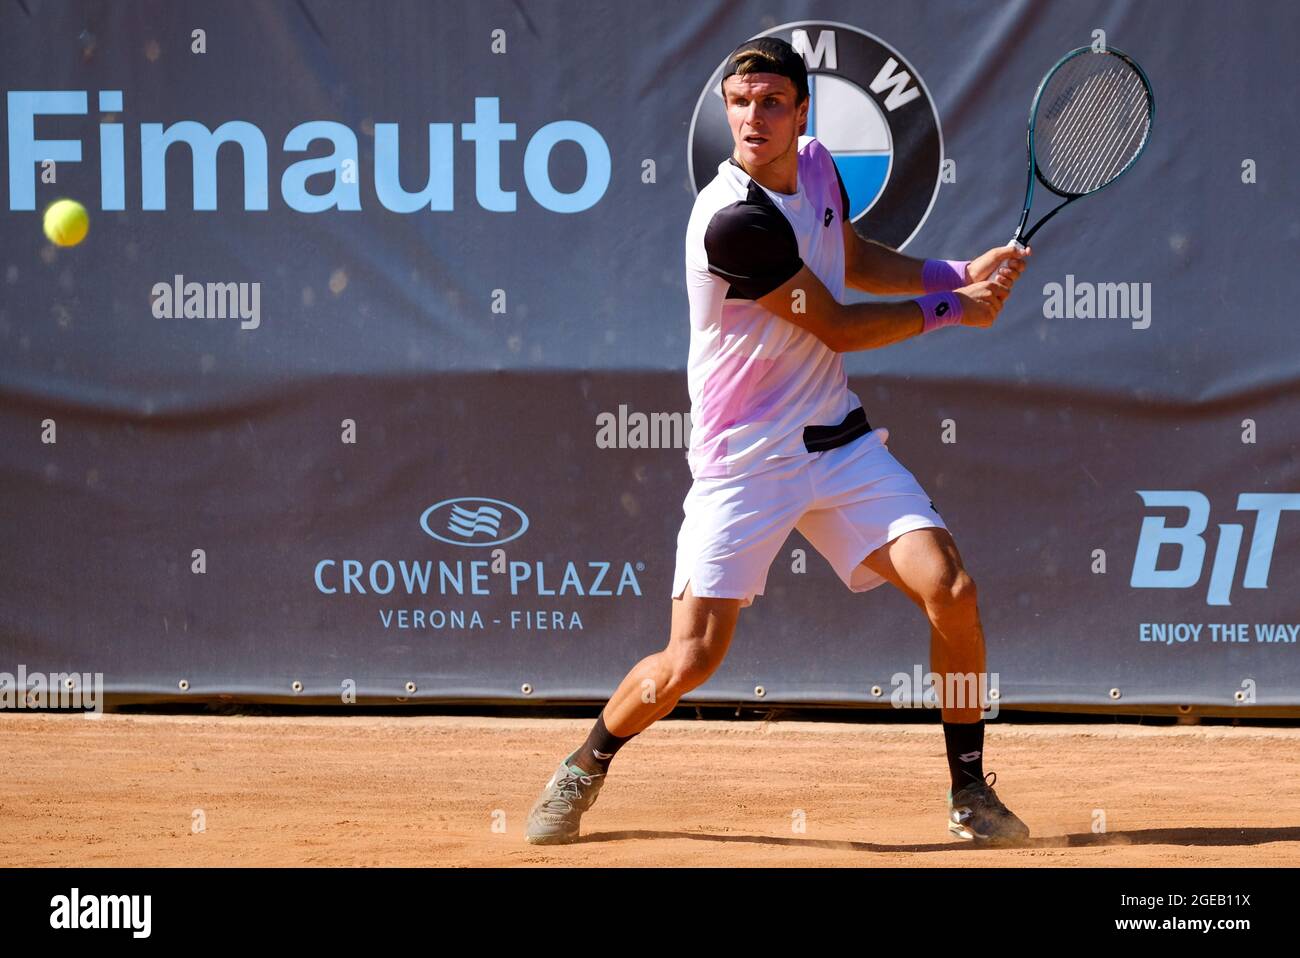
752 247
805 301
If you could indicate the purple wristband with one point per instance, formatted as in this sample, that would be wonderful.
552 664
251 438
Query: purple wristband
940 310
942 275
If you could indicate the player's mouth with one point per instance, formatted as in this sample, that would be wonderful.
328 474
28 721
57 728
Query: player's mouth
755 140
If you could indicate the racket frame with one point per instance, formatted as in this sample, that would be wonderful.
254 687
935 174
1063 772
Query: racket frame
1021 238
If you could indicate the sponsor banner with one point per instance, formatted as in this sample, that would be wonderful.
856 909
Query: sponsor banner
368 380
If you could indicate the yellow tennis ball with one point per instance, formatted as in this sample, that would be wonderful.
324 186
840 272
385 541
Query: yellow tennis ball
66 222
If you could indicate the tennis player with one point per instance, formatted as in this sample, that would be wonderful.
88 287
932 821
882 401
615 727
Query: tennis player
779 442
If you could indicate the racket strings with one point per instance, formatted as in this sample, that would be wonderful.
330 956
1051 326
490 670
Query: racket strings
1093 120
1083 153
1093 109
1112 134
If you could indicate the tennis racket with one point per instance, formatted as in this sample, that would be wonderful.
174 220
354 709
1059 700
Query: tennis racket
1089 122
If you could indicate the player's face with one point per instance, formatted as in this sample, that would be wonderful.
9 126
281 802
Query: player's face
765 120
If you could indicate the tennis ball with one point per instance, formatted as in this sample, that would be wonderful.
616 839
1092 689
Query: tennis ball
66 222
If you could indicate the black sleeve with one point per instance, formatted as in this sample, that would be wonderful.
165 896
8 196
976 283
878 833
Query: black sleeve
844 194
752 247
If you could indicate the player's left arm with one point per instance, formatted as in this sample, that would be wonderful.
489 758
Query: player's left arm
875 268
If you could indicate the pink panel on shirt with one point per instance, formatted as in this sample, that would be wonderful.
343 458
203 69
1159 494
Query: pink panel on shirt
819 173
729 384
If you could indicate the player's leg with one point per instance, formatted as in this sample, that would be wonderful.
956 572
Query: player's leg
728 538
701 633
925 565
697 643
732 530
874 523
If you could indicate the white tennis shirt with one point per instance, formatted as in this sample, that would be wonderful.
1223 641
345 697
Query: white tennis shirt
756 380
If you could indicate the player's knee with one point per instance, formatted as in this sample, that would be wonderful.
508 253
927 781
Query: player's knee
952 590
691 666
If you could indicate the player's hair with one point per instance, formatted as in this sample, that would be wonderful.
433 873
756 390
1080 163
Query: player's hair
755 60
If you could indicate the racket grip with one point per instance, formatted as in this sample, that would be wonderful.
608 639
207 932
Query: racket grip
1018 245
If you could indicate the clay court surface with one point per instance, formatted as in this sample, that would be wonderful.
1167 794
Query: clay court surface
122 789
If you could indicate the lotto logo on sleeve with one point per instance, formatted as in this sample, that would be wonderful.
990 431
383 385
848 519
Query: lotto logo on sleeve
869 107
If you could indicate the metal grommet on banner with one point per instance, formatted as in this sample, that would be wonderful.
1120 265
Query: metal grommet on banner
1114 693
70 683
877 691
296 686
183 685
410 687
759 691
995 694
526 689
1239 695
1184 710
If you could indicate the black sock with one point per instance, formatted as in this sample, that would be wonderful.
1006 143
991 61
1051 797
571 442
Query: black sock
965 743
600 748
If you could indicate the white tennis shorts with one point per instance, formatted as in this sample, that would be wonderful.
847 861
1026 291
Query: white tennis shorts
847 502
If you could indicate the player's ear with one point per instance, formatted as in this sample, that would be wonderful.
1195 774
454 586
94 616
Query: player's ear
803 115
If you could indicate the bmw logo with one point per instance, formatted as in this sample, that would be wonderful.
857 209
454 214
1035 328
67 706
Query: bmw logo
869 107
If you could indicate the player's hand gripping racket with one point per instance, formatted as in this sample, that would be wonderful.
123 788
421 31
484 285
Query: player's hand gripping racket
1089 122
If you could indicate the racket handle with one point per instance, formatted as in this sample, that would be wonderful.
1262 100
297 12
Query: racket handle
1018 245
